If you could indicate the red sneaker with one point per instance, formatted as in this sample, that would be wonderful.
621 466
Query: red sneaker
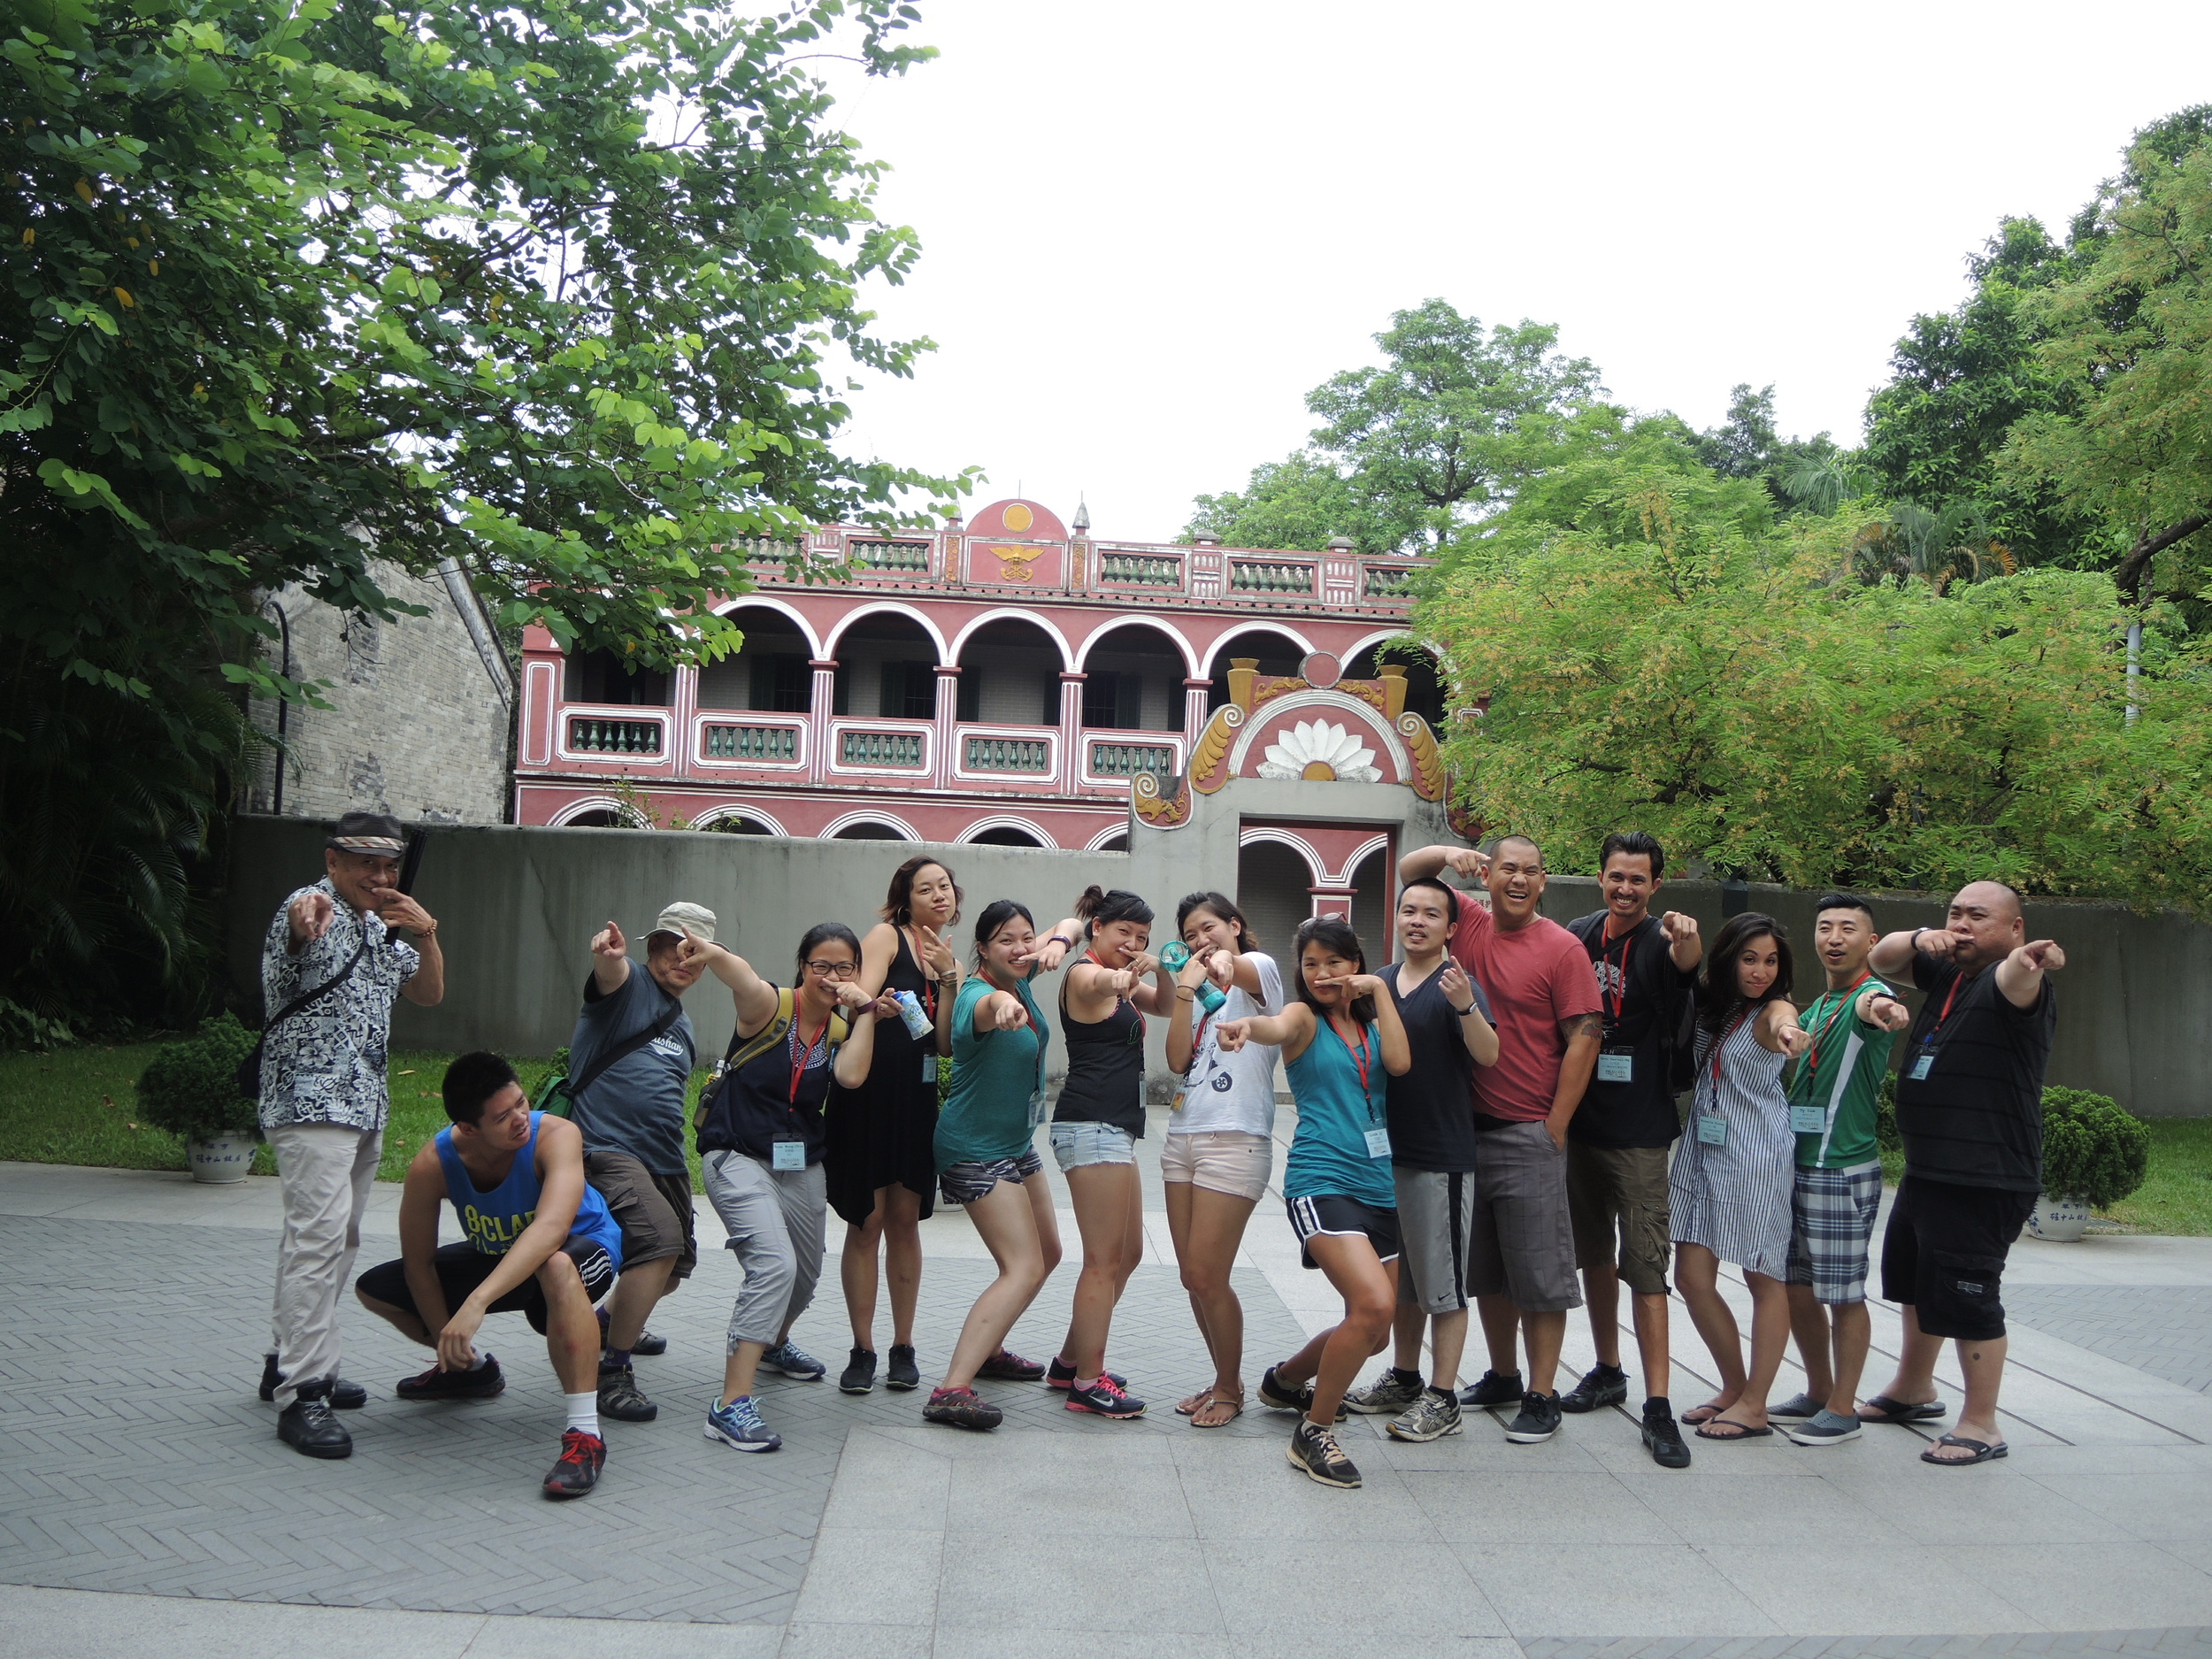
582 1457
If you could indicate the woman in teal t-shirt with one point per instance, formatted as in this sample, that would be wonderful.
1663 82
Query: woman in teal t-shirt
986 1162
1342 1042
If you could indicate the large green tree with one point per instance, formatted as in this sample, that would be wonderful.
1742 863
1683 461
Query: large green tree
566 292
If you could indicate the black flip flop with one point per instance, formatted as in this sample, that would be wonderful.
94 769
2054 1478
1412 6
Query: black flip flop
1899 1412
1744 1432
1984 1452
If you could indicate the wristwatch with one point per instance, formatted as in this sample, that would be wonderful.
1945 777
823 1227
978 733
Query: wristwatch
1464 1012
1059 939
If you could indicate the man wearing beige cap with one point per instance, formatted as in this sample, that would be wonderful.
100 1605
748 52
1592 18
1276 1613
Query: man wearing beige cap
630 1062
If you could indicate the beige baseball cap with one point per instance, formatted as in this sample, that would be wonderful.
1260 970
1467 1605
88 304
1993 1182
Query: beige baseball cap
682 918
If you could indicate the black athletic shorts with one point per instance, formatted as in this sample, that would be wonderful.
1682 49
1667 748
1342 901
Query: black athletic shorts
462 1267
1945 1253
1331 1212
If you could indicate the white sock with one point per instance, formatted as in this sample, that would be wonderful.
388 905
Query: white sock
583 1412
479 1362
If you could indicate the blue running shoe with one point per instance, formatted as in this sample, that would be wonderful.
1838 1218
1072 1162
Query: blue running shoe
738 1424
794 1361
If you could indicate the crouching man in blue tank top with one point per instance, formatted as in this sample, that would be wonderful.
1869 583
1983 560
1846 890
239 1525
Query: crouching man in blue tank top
539 1242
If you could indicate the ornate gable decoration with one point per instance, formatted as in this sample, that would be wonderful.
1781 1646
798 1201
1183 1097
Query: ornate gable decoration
1318 728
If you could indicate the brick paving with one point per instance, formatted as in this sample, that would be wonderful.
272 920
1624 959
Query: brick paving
2166 1330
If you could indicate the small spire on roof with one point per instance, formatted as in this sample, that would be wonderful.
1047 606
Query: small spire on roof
1082 520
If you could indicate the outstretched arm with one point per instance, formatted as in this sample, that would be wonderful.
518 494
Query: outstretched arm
2020 975
610 959
755 997
1892 953
1467 863
1291 1030
859 1051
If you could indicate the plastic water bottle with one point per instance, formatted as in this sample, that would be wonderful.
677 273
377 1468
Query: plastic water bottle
1174 956
912 1015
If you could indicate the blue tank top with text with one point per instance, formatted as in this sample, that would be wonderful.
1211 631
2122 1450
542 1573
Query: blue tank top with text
494 1220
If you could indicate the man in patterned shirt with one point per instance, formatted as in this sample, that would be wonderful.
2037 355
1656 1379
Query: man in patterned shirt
324 1099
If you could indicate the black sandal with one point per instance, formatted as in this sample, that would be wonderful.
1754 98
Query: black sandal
1984 1452
1899 1411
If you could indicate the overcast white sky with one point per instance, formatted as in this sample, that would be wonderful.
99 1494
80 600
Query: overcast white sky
1149 228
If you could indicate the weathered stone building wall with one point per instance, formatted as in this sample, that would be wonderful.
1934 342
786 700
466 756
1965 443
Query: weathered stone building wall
419 724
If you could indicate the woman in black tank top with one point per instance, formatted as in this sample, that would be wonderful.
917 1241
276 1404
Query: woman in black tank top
1095 1125
881 1164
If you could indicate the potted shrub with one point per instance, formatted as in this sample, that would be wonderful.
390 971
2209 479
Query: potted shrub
190 1088
2095 1154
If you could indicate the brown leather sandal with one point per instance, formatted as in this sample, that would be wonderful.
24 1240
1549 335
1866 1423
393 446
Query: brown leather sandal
1215 1397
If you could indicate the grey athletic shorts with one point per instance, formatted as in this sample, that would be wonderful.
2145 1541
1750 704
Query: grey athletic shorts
1522 1245
1432 1214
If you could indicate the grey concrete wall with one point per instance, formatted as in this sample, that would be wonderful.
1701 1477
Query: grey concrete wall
517 908
418 723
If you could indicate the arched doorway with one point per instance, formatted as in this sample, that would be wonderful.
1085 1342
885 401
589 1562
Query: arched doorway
886 670
1371 909
1133 681
1273 891
1278 654
769 674
1010 675
868 832
1424 684
737 824
1004 835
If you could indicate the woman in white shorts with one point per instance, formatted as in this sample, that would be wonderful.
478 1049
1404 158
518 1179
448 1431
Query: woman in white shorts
1220 1148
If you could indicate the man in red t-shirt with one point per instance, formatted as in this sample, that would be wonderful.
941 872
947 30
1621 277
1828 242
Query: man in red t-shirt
1544 1000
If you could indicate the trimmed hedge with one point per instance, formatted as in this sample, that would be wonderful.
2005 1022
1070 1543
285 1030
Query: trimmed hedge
190 1088
2093 1150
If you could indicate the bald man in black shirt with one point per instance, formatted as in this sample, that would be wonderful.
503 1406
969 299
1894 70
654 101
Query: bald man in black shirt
1969 1107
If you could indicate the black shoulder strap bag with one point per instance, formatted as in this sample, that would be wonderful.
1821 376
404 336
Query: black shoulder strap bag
249 1068
559 1094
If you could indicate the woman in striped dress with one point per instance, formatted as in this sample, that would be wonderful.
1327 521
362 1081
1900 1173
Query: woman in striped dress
1729 1190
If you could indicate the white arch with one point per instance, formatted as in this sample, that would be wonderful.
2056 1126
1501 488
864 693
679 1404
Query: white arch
782 608
1190 656
889 820
1112 831
1385 634
1013 613
1353 710
1261 625
1359 855
1007 821
886 607
575 810
1298 844
717 814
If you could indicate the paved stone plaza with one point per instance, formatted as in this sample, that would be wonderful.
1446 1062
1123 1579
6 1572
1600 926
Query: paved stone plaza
144 1497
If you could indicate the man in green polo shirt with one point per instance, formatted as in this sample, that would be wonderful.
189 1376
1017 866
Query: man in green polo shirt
1833 1090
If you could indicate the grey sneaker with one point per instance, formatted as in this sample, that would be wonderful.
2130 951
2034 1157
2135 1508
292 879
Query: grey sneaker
1827 1428
1431 1418
1387 1396
1315 1454
1802 1408
794 1361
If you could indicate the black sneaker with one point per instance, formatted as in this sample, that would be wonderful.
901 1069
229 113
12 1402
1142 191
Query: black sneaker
582 1457
481 1384
649 1345
1493 1390
961 1409
620 1398
859 1375
308 1426
1279 1396
1538 1422
346 1396
1602 1385
1662 1437
1060 1374
901 1374
1104 1398
1314 1452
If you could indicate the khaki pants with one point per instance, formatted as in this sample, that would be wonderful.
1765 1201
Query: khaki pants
326 1171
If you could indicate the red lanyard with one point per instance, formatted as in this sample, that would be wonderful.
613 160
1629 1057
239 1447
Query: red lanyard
1812 1054
1620 996
1928 1041
806 1052
1359 1057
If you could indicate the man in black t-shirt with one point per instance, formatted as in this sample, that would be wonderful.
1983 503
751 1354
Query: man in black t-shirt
1970 1106
1617 1144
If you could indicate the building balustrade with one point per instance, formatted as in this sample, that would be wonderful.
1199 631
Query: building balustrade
768 743
1388 581
1141 570
1008 755
879 748
906 558
588 733
1127 760
1255 576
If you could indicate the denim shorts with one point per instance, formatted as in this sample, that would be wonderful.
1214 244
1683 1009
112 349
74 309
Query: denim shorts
1074 1145
964 1183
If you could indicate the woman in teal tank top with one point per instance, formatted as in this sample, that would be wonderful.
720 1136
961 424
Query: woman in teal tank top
1342 1042
985 1162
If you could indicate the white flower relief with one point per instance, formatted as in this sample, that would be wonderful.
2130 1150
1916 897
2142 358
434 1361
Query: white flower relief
1320 752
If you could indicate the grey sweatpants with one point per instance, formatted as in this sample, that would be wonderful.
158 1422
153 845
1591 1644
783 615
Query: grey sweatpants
775 1219
325 1172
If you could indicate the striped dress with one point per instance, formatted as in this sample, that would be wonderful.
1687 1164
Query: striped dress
1734 1199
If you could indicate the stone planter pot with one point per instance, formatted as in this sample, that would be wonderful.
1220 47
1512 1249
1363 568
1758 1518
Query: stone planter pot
2058 1220
219 1159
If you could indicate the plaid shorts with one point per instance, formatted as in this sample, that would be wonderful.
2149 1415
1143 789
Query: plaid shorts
1832 1220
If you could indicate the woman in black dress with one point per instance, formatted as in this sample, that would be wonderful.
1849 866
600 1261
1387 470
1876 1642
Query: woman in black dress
881 1163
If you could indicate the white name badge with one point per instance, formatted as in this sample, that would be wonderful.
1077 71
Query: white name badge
1712 1129
1379 1143
929 1065
787 1155
1919 1072
1616 1068
1808 1120
1037 1108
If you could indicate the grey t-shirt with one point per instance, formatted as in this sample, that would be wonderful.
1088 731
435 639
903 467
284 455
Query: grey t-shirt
636 1105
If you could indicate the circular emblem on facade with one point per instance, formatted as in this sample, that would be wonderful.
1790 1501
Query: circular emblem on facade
1018 517
1321 671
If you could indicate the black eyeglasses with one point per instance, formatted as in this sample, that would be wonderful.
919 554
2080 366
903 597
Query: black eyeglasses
831 969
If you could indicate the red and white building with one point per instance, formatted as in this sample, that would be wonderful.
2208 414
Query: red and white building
1002 681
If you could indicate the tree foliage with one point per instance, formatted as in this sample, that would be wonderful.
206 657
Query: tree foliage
1672 662
1302 501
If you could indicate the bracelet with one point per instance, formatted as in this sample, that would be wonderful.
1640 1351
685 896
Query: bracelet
1059 939
1184 994
1464 1012
1916 940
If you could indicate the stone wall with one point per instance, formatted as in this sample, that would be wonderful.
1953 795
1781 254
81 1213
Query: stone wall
419 720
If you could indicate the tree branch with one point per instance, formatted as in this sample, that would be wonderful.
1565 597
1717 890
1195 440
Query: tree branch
2128 577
